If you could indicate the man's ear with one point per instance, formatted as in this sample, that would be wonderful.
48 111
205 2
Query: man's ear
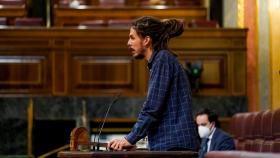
147 41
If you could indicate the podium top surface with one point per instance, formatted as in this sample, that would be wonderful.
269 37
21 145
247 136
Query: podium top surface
127 154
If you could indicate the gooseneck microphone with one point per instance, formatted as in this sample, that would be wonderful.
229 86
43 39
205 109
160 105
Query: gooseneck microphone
97 144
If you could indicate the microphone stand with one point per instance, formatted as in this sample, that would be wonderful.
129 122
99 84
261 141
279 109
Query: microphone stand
97 145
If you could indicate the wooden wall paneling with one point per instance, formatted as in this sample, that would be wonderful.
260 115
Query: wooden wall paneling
214 77
223 57
24 73
102 74
213 73
238 71
103 65
65 16
102 44
59 65
142 77
26 69
59 72
13 11
205 43
97 62
28 44
136 2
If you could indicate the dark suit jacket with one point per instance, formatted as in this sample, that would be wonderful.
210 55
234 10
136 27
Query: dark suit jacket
219 141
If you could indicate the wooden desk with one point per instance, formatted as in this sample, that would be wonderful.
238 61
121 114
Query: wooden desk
64 16
12 11
128 154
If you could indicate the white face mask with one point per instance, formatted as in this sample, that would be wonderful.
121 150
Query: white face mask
203 131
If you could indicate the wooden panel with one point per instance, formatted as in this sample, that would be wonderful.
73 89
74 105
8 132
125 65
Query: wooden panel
59 73
12 11
214 74
10 43
205 43
23 74
238 68
114 73
65 16
111 71
116 46
138 2
14 71
102 73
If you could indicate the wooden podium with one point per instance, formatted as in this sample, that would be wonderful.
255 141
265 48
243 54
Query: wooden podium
128 154
80 148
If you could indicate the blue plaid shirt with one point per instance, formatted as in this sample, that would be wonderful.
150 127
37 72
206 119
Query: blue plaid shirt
166 116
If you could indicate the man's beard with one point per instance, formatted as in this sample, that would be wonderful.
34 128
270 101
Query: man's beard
140 55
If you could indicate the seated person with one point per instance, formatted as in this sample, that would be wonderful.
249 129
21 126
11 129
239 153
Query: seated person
212 137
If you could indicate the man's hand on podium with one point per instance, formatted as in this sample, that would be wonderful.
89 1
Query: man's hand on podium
119 144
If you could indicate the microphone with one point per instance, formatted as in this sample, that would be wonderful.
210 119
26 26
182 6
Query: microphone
97 145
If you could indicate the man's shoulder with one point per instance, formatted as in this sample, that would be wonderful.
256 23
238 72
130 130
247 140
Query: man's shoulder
220 133
223 140
166 56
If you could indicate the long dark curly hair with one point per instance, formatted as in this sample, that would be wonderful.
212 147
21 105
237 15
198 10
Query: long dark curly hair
160 31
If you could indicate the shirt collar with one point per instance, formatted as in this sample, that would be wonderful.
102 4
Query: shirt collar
212 133
150 62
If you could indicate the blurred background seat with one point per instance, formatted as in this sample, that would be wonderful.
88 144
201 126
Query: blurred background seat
12 2
276 131
258 132
152 2
93 23
67 3
267 131
242 121
202 23
187 3
249 138
119 22
3 21
233 126
111 3
29 22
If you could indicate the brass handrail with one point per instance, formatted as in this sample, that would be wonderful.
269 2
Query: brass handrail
54 151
